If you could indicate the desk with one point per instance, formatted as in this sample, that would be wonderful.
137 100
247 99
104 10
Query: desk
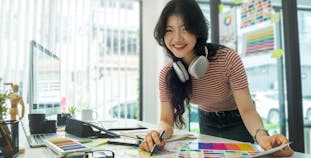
42 152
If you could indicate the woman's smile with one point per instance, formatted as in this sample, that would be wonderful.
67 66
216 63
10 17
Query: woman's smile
179 47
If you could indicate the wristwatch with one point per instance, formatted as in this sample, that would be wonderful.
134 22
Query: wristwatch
258 130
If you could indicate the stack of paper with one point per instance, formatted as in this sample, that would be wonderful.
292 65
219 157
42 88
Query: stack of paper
142 135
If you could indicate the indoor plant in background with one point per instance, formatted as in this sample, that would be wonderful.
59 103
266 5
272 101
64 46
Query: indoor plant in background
3 107
73 111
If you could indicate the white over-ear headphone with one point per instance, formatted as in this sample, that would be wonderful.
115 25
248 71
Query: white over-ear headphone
197 68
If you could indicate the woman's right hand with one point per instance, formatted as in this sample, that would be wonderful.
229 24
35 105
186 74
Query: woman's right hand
151 139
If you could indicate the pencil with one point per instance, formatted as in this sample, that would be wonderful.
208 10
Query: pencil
155 146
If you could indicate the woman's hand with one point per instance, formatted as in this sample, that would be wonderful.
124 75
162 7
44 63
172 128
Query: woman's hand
151 139
268 142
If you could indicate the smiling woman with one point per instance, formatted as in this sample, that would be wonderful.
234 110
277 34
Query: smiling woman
222 94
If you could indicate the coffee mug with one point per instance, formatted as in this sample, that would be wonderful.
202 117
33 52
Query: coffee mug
88 115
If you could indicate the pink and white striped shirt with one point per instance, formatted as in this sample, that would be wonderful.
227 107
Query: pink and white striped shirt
213 92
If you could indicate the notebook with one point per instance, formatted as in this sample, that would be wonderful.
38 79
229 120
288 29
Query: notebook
115 125
37 140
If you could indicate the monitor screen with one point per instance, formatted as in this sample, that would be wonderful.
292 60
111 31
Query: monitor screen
45 84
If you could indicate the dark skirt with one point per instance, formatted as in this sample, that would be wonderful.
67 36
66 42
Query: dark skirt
227 124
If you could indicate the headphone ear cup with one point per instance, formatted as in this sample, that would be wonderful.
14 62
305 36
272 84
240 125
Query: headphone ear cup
181 71
198 67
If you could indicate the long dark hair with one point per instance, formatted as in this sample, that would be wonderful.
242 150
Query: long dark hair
196 24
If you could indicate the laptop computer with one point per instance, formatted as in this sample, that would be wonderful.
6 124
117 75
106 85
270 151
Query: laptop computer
37 140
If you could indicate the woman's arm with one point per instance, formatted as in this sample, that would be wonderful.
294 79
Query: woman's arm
166 123
167 119
253 122
248 112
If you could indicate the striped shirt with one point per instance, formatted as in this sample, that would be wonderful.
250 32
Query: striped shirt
213 92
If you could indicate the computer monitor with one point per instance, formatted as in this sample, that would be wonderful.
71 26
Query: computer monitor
45 80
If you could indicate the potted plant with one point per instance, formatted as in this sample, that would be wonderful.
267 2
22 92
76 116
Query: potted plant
3 108
72 110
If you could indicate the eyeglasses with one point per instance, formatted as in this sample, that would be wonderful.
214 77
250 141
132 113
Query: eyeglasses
91 154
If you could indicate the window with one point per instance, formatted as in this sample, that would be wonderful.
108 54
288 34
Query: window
97 42
304 20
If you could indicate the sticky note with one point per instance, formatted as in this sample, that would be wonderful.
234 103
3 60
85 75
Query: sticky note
275 18
221 8
277 53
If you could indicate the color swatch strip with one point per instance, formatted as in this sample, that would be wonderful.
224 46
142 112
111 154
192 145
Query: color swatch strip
220 146
215 154
66 144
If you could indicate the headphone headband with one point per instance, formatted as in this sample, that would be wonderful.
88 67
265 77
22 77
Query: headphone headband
197 68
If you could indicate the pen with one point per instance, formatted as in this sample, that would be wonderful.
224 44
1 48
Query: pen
162 134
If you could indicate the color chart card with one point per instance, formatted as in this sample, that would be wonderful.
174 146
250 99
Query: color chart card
220 146
217 150
254 12
184 153
215 154
65 145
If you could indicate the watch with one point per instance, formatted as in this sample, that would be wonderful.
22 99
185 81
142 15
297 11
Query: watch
258 130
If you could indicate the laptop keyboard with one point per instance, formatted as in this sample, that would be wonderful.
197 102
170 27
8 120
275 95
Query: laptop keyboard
39 138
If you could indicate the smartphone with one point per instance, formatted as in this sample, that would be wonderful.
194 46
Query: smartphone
125 141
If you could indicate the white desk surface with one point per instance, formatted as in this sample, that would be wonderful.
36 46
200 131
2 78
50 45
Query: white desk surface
42 152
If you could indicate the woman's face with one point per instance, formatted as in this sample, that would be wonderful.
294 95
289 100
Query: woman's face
178 40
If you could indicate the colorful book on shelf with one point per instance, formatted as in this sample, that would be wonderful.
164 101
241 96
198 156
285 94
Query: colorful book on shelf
62 146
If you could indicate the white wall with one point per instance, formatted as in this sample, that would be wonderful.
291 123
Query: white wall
153 60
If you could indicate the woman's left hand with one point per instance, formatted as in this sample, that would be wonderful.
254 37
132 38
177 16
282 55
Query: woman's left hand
268 142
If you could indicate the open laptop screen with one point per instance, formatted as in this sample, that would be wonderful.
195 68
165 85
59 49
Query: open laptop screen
44 80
